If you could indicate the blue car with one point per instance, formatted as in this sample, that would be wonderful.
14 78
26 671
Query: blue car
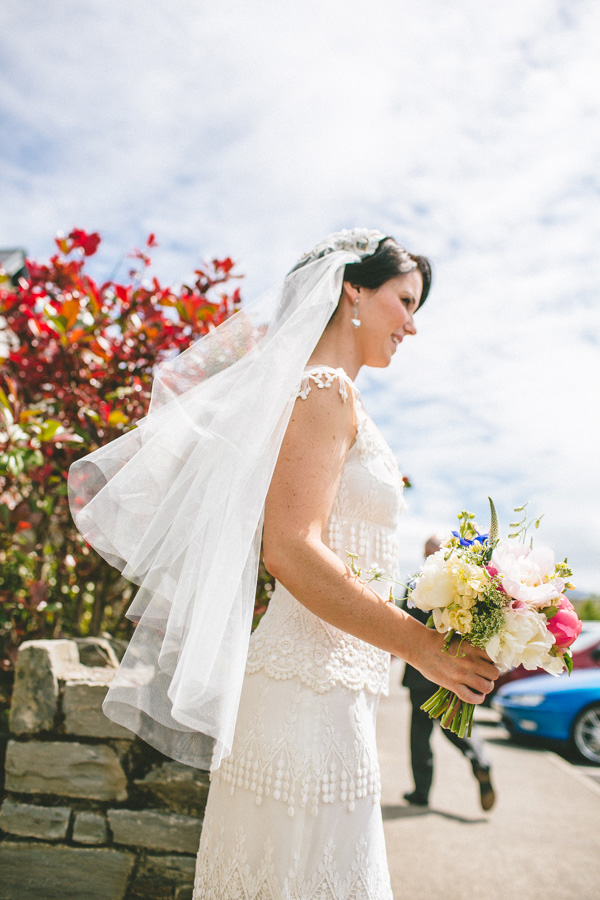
564 709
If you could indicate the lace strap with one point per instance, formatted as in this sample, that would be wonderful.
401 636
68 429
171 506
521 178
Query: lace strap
323 377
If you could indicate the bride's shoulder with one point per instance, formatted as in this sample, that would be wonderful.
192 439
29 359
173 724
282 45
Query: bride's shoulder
321 377
325 408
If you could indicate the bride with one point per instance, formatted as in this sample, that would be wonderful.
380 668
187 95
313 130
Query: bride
261 431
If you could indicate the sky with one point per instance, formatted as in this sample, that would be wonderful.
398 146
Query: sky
469 131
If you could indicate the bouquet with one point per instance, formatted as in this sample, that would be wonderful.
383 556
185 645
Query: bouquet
502 595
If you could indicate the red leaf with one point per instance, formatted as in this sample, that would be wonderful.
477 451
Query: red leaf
151 242
62 245
123 293
223 265
138 254
87 242
70 310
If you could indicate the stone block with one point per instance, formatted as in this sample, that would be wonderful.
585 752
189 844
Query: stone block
177 869
90 828
49 872
155 830
40 665
159 876
184 892
27 820
69 770
149 889
97 651
178 787
82 705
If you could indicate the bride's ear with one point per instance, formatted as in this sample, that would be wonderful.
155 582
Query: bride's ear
350 291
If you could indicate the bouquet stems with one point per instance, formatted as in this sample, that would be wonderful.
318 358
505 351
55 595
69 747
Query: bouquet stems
453 713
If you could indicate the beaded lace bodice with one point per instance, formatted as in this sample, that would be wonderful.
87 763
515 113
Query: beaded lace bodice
290 641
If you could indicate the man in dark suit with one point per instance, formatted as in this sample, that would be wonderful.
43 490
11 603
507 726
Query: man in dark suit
421 727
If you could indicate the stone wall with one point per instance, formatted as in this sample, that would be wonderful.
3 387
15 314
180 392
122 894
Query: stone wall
90 812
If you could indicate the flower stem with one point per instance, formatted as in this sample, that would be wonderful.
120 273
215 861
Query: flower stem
453 713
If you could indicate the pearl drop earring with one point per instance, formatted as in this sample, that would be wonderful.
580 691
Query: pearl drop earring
355 320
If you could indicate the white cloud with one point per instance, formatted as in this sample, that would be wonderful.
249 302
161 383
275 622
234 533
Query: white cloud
469 131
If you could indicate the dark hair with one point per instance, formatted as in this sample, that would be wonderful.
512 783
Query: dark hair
388 261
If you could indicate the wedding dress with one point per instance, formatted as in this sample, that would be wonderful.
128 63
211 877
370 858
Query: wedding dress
294 812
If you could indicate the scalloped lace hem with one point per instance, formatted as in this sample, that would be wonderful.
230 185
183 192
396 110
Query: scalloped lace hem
221 876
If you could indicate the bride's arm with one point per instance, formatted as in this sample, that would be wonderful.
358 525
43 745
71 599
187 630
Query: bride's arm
300 498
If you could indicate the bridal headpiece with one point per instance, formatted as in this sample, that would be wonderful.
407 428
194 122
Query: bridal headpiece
361 241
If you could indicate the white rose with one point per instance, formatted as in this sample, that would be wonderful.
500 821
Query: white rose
524 640
527 575
554 665
435 586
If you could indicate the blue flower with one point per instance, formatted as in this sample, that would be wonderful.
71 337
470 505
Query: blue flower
478 539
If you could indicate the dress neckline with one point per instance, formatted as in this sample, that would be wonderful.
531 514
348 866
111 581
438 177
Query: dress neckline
337 370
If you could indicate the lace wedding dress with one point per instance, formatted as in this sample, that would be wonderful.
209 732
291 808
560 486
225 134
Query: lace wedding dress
294 812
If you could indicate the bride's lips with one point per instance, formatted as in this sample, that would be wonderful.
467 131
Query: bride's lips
397 338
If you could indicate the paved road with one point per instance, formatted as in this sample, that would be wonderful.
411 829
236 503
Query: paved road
541 841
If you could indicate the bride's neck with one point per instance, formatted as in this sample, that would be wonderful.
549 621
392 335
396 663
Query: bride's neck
337 348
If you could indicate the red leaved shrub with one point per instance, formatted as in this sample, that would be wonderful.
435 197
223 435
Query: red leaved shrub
77 361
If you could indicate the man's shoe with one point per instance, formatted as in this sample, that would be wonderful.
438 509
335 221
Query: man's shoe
416 799
486 791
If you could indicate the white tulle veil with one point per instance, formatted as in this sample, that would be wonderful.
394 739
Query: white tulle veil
177 504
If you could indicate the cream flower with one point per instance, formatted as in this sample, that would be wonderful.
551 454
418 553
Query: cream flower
554 665
524 640
469 580
441 619
435 585
460 619
527 575
452 617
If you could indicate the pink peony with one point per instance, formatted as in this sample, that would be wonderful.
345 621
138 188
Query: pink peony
527 575
565 625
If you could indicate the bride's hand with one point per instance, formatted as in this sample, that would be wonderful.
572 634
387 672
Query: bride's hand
462 668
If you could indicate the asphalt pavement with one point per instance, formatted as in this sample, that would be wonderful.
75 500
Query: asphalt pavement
541 840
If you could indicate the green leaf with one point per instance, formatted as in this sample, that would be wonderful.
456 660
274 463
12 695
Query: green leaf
59 322
550 611
46 504
15 464
49 429
4 400
568 662
494 531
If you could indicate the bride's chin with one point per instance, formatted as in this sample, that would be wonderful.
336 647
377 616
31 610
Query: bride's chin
381 362
379 357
